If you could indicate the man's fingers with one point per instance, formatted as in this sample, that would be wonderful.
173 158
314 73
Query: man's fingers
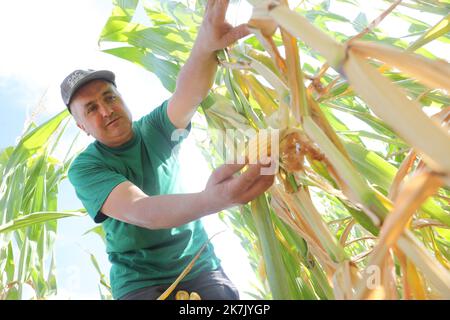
261 185
208 6
235 34
246 179
224 172
218 9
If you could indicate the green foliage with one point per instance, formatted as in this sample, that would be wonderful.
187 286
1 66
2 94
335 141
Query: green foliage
30 176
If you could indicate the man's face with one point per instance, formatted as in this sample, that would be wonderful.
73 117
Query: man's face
100 111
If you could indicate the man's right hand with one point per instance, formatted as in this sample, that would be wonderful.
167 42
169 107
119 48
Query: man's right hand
227 190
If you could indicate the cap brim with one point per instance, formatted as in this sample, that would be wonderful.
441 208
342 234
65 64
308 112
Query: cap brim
96 75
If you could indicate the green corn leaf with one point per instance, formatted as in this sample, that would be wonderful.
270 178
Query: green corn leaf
123 12
165 70
36 218
440 29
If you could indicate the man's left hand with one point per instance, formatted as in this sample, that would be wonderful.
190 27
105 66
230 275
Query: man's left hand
215 32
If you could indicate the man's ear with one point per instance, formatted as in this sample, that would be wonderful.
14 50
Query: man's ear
82 128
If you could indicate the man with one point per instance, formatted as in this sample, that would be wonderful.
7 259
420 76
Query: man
127 178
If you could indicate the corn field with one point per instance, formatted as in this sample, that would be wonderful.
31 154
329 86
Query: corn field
28 205
360 206
354 214
32 172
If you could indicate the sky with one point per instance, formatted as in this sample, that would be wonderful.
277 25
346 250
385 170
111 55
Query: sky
44 41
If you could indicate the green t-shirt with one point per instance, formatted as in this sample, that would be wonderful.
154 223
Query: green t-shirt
140 257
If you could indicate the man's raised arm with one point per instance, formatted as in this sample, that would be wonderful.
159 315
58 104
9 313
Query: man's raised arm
197 75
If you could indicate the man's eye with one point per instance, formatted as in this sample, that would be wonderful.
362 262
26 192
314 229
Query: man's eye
91 108
110 98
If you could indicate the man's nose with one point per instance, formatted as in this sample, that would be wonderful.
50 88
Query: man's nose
105 109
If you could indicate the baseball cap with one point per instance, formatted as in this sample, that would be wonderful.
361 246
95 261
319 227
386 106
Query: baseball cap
78 78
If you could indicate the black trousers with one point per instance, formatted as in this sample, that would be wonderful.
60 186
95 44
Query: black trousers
210 285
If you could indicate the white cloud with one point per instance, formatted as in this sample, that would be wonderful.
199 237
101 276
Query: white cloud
46 37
